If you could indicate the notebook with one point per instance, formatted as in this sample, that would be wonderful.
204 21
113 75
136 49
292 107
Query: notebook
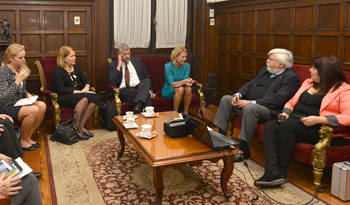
206 135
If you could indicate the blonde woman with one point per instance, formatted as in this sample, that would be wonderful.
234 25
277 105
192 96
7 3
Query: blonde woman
12 89
67 82
178 84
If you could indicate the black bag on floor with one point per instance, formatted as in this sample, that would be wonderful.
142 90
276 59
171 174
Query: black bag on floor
107 111
66 132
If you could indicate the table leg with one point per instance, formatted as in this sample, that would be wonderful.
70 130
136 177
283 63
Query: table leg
226 174
158 184
122 142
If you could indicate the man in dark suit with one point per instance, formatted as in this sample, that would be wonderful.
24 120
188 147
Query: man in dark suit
131 77
261 99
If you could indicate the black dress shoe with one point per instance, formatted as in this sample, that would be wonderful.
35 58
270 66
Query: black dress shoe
244 147
38 175
245 155
31 148
138 108
83 137
89 134
270 179
284 174
36 145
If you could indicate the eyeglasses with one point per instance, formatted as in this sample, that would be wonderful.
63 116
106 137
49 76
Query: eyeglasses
316 57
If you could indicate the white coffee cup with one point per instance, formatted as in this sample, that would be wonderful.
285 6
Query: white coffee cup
146 129
130 122
129 114
149 110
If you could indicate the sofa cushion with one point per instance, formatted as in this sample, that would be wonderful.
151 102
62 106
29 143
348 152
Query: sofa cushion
160 104
302 71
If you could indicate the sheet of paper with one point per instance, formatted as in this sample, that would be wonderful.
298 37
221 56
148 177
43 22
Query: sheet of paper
26 101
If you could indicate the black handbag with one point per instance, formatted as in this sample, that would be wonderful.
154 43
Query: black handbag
108 111
66 132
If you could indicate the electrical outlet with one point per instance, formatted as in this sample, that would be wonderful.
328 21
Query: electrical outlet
76 20
211 13
212 22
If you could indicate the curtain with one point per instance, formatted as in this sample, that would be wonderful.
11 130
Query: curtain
171 27
132 23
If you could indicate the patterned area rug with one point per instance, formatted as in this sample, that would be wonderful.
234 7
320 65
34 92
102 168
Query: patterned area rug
90 172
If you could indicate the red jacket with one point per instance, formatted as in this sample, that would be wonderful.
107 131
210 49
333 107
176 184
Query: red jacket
335 104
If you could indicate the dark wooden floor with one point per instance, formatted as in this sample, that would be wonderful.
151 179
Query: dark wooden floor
299 174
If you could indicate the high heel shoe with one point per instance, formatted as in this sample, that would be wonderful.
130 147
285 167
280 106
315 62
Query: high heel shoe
81 135
88 134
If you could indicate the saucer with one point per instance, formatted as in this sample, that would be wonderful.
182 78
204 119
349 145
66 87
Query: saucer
153 134
134 116
155 114
130 127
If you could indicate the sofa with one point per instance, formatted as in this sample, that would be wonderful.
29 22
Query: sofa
155 68
319 156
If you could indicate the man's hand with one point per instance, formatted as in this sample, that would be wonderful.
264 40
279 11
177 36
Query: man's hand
120 62
7 186
152 94
234 99
4 116
241 103
282 116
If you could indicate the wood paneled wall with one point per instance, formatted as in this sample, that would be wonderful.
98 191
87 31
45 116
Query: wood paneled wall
246 30
43 27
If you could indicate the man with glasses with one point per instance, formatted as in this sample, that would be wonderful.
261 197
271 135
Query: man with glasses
261 99
131 77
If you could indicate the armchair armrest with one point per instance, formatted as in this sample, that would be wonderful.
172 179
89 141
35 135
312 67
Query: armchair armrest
200 92
56 110
46 94
4 200
319 154
118 102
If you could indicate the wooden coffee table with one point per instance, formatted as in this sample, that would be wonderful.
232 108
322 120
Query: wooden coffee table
162 151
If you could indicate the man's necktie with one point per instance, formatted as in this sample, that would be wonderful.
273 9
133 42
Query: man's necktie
273 75
127 76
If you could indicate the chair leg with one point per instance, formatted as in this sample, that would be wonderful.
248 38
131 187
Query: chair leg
96 116
230 130
319 154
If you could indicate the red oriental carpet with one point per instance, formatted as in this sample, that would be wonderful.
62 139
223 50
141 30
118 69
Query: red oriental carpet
90 172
